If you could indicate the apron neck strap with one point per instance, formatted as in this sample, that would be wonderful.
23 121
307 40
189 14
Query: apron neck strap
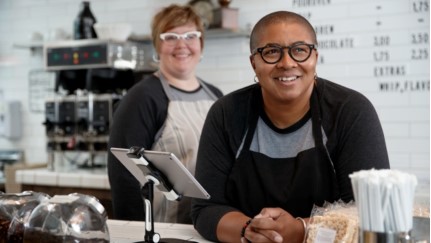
165 84
166 88
316 120
256 101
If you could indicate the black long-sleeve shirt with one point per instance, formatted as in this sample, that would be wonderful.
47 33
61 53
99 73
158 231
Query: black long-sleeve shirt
355 141
137 119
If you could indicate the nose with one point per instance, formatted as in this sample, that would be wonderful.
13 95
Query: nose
181 42
286 60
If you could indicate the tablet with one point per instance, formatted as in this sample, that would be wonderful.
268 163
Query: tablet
183 182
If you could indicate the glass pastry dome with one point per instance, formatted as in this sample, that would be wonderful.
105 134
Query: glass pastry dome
68 218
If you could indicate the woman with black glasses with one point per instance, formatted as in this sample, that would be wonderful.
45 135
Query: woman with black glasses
164 112
270 151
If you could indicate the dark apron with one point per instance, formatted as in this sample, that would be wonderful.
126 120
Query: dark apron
294 184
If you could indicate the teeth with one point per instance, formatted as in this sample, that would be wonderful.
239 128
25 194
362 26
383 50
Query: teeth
287 78
182 55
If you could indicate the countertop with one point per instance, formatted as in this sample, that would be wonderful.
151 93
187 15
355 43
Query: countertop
133 231
84 178
120 231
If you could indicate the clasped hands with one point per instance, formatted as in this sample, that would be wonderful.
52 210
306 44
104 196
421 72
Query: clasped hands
274 225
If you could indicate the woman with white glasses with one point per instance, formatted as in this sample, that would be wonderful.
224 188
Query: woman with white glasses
164 112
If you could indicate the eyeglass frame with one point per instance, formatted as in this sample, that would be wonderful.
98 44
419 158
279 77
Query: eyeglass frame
289 48
180 36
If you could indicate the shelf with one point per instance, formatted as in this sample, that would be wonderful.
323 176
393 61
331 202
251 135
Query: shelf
30 44
146 39
209 34
225 33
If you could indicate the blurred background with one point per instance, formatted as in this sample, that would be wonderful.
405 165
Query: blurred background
379 48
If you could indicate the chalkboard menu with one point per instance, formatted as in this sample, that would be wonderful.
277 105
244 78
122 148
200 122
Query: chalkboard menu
371 45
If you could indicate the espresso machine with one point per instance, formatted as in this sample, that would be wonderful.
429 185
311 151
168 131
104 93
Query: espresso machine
91 78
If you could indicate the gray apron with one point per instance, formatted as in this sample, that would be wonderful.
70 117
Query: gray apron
180 135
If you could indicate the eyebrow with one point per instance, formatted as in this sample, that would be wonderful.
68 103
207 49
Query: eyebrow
294 43
187 32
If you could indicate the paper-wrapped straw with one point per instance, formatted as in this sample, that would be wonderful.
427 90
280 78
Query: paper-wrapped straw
384 199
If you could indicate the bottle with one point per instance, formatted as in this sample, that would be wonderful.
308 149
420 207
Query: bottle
83 24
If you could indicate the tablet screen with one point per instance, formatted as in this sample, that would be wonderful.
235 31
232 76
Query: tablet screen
181 179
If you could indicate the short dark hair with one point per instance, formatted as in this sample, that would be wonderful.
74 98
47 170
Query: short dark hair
278 17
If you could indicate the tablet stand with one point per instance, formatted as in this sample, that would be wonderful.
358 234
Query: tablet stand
155 178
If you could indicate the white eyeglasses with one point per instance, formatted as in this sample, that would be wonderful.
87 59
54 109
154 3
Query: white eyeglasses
173 38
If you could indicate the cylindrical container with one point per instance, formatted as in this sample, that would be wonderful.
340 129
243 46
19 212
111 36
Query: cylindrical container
384 237
83 24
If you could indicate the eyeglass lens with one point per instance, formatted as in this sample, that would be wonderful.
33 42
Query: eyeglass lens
273 54
172 38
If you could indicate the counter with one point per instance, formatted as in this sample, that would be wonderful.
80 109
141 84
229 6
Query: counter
95 178
91 182
95 182
133 231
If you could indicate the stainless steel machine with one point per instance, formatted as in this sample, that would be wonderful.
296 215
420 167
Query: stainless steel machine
91 77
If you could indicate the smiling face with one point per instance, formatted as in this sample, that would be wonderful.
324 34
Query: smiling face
287 81
179 59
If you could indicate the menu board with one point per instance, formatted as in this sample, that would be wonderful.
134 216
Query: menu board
371 45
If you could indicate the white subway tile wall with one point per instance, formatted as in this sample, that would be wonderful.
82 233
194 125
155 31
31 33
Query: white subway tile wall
405 115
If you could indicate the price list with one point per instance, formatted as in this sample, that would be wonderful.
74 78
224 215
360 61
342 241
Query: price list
371 45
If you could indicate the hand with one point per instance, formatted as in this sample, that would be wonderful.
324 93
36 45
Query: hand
274 225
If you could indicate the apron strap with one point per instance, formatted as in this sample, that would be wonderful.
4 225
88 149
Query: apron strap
316 121
166 88
318 138
255 101
165 85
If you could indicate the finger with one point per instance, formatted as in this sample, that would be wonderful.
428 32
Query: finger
263 223
272 235
255 237
271 213
267 227
263 236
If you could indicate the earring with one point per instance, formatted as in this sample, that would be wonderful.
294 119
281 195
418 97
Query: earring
256 80
156 58
315 76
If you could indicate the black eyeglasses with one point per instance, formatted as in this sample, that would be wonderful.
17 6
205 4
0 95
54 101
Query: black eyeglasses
272 53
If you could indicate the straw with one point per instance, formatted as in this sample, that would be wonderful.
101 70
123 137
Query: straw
384 199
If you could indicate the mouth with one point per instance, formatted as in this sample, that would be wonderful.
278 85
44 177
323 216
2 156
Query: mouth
182 55
287 78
